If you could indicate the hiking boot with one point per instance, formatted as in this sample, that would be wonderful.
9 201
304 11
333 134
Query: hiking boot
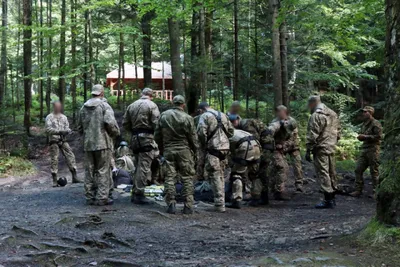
187 210
90 202
54 176
75 179
171 208
299 189
235 205
264 200
106 202
356 193
140 200
280 196
255 202
220 208
328 203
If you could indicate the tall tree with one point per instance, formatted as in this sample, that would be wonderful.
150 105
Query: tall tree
236 50
276 52
203 53
388 199
27 18
40 59
146 43
193 92
284 67
3 67
61 79
49 55
175 53
73 55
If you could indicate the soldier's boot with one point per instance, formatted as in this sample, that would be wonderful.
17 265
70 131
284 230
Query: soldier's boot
106 202
54 176
90 202
327 203
75 179
171 208
356 193
220 208
140 199
299 188
280 196
264 198
255 202
187 210
236 204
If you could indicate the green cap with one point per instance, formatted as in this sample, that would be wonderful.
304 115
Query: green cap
369 109
314 99
98 89
147 91
235 104
178 100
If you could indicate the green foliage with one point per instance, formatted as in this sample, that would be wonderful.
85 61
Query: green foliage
346 165
377 233
15 166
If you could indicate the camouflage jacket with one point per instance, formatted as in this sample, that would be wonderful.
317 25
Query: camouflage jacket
253 126
211 136
243 147
323 130
176 130
98 124
140 119
289 138
372 129
54 125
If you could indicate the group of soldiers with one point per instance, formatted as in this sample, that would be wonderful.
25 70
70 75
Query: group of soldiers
213 146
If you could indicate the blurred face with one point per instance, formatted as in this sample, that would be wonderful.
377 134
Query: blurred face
281 114
312 105
235 123
57 108
366 115
235 109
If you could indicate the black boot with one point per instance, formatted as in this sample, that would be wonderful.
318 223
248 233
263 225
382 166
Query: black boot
281 196
106 202
75 179
187 210
327 203
140 200
54 177
171 208
264 198
234 205
254 202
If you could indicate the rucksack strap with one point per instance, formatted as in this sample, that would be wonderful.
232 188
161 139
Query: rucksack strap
220 125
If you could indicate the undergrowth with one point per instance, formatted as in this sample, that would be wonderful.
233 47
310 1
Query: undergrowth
15 166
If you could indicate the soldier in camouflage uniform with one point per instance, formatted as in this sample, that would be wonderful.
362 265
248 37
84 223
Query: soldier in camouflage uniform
245 156
294 153
323 133
57 128
370 135
99 127
201 154
176 137
234 109
140 119
214 131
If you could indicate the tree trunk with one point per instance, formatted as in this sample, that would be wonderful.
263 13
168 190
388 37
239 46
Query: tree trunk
236 52
193 95
175 53
92 70
73 59
27 10
41 62
284 67
203 55
146 42
276 52
49 57
388 198
257 71
3 67
61 78
85 56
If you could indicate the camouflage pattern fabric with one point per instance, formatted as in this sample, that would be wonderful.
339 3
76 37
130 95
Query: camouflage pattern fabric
56 123
212 139
370 153
176 136
323 133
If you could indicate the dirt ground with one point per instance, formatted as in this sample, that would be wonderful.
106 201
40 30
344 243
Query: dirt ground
45 226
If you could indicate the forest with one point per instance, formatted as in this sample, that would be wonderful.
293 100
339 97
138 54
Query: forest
263 53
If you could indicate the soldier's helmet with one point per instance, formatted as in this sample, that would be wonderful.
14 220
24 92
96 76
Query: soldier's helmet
233 117
62 181
178 100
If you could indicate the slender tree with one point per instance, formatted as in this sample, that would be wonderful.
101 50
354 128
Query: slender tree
3 67
146 43
73 55
284 67
236 50
49 55
388 200
174 40
276 52
61 79
27 18
193 92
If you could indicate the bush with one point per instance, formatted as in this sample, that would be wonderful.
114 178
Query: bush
15 166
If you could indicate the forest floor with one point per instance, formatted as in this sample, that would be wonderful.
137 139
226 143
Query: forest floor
45 226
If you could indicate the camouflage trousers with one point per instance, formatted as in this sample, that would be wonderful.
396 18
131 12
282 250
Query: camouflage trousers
143 174
179 162
260 183
237 176
215 169
98 174
68 155
325 168
278 172
297 168
368 158
200 165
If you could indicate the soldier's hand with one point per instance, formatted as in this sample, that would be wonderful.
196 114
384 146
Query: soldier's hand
278 147
308 156
361 137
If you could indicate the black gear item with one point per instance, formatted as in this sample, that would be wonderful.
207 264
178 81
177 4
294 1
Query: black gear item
62 181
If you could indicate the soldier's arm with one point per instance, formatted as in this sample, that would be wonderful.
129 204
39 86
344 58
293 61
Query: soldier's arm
231 129
202 131
50 129
158 137
155 116
127 123
315 126
66 124
192 137
110 122
376 133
